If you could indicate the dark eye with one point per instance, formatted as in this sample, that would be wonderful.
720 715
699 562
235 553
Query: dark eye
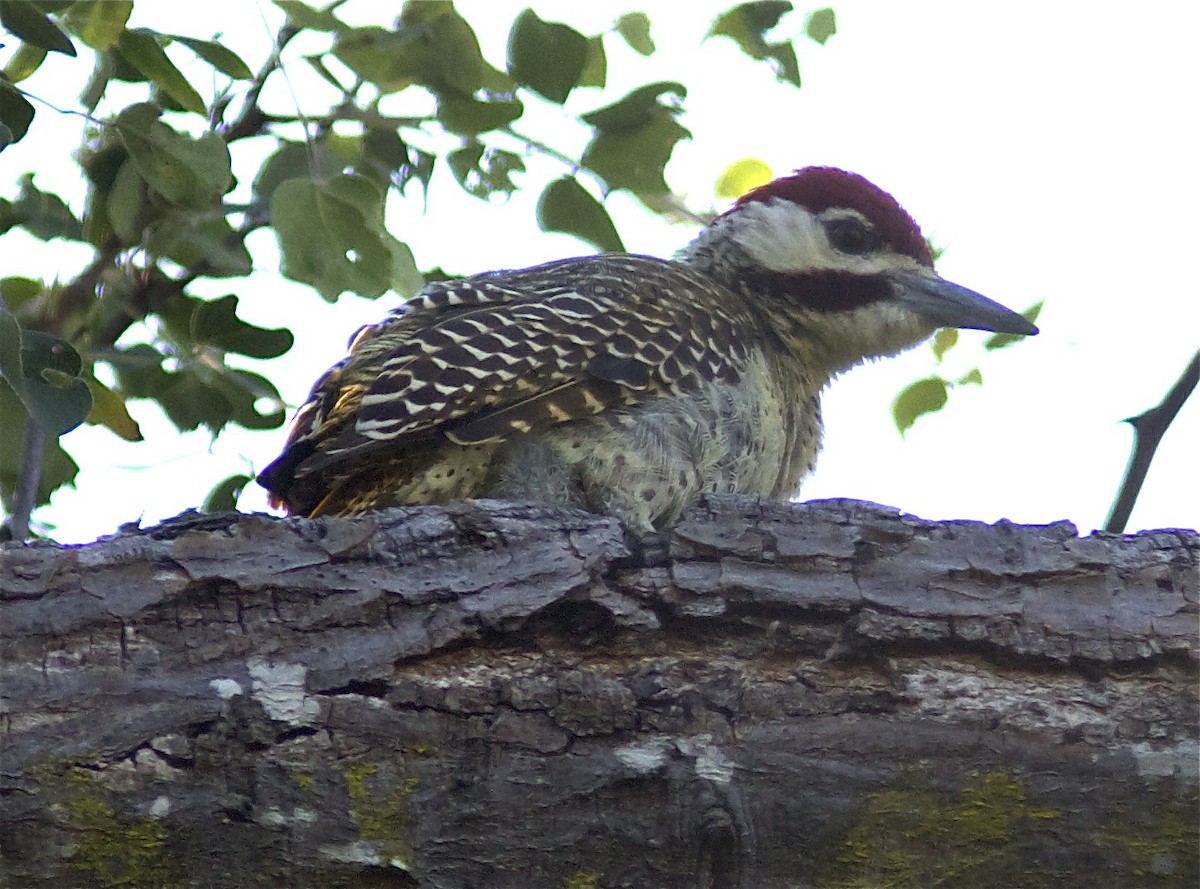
850 235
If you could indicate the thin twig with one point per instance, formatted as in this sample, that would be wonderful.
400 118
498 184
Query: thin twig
251 119
29 476
543 148
1148 430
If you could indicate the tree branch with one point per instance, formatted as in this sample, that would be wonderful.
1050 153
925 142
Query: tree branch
29 476
251 119
1148 431
545 149
495 694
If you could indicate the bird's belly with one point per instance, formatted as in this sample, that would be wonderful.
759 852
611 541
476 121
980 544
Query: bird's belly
650 462
644 463
437 472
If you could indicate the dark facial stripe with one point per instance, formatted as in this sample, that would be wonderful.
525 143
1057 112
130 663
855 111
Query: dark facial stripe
823 291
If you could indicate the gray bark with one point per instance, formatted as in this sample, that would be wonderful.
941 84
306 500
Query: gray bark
822 695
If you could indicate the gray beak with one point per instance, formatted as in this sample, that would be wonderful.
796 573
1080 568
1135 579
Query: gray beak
946 304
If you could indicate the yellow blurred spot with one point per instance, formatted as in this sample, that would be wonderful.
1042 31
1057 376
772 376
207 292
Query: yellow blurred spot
741 176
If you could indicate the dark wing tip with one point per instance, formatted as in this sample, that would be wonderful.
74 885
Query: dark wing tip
280 475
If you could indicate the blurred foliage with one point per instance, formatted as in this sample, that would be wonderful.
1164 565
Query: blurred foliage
747 26
741 176
158 172
930 394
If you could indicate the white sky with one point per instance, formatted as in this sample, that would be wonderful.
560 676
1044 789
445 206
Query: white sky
1049 147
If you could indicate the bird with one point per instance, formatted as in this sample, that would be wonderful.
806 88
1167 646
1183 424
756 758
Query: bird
625 384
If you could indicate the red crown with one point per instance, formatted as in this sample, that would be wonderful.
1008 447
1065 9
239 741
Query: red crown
819 188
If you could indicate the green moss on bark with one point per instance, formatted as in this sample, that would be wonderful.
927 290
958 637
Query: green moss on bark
114 851
379 808
919 837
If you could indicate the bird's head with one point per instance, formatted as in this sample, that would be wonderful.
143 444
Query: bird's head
842 267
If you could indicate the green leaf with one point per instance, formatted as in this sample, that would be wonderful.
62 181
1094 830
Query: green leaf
198 393
317 63
747 24
432 45
190 239
1002 340
483 172
468 117
636 109
380 57
223 497
26 60
636 158
59 399
216 322
295 160
922 397
24 19
124 203
331 235
103 164
943 341
547 57
224 60
58 469
44 215
406 277
215 397
457 63
385 150
186 171
189 403
8 216
40 213
566 206
419 169
141 49
109 410
635 28
138 368
245 391
98 23
301 15
821 25
973 377
463 161
16 291
595 66
43 372
15 113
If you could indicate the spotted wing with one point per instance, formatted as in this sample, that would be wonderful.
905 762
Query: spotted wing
482 358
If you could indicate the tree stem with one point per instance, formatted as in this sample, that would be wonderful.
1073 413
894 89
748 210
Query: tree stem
1148 430
29 475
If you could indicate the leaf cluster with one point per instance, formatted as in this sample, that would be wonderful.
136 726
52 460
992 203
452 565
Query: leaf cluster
159 212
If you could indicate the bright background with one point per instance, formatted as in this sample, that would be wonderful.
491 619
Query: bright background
1050 148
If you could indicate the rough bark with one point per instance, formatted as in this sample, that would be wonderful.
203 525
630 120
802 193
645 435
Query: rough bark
825 695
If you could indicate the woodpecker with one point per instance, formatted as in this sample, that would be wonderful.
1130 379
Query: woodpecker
627 384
